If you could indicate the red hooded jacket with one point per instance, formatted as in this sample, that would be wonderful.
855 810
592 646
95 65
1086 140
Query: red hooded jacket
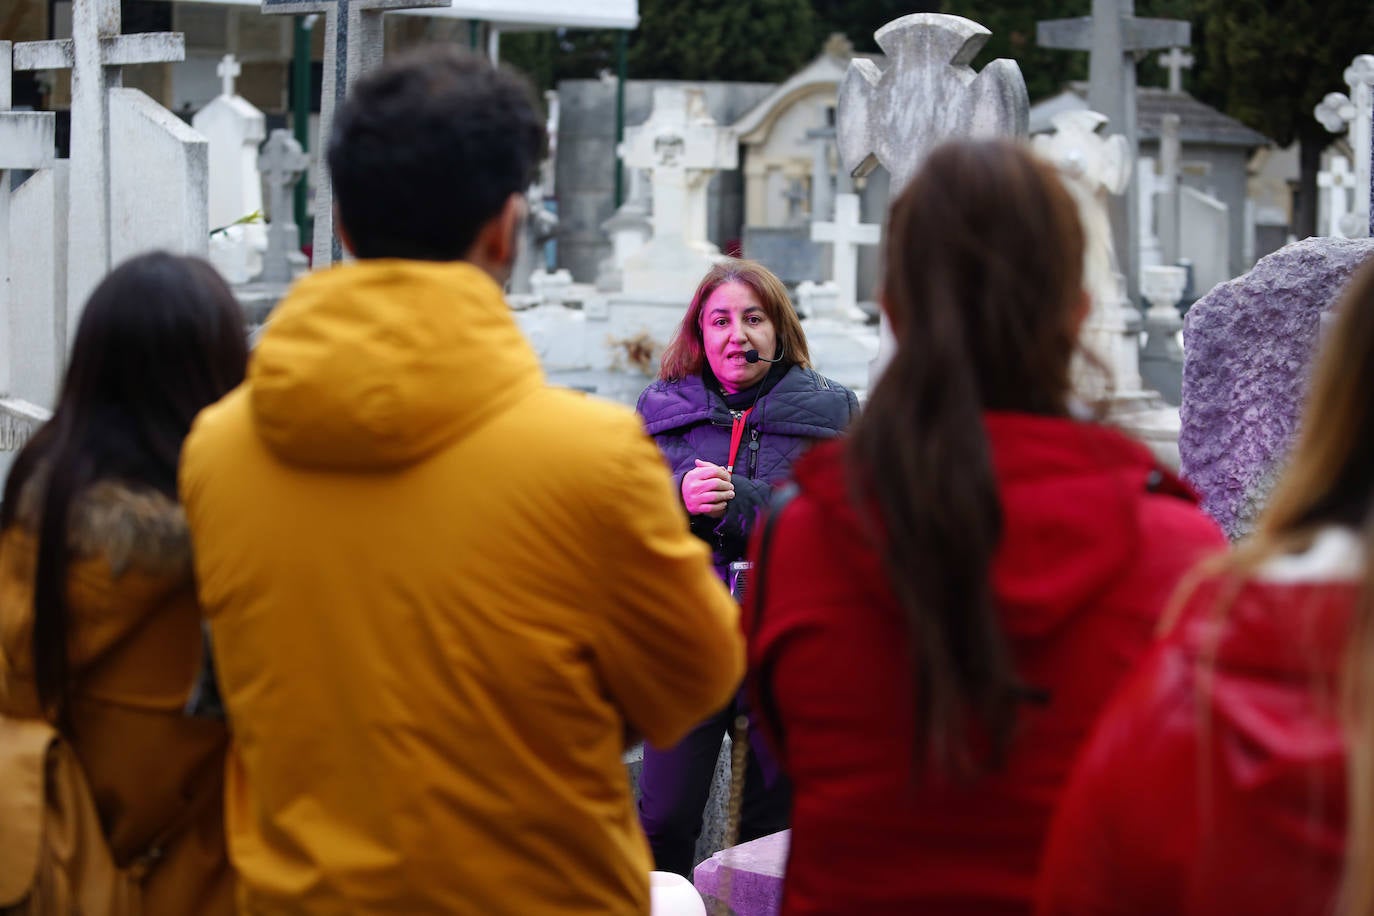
1095 536
1215 783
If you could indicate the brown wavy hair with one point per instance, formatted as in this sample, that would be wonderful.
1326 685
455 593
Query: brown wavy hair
983 289
686 352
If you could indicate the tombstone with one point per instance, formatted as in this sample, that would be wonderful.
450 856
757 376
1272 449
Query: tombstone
283 163
1161 361
1249 345
747 879
353 40
845 235
1113 36
1337 185
1338 112
928 94
95 54
681 147
1205 234
233 130
629 229
30 357
1176 61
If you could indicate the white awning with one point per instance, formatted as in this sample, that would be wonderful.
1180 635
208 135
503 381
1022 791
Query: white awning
551 14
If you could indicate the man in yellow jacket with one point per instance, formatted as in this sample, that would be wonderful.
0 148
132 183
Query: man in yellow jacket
443 594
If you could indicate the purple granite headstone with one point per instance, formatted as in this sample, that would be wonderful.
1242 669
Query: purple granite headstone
755 871
1248 348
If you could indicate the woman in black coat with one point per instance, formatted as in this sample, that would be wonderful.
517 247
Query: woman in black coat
736 403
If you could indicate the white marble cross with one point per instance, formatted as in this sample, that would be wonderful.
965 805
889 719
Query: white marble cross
681 147
282 162
1338 184
26 142
95 53
845 235
1176 61
228 70
353 44
1337 112
927 94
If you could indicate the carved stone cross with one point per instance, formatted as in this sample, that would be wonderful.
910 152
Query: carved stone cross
928 94
845 235
1338 112
228 70
352 46
282 162
1113 36
1176 61
95 53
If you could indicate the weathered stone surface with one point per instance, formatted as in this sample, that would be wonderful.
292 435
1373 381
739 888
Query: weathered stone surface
1248 349
928 94
755 871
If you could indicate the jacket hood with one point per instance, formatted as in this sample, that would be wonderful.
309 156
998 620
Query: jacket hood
1070 495
1289 621
379 363
130 548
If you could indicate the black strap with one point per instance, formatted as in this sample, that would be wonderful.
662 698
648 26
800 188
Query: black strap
768 708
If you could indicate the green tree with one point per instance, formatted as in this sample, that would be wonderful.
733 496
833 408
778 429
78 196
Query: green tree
859 19
745 40
1269 62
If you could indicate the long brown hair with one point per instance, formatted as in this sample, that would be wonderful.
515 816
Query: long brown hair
160 338
686 353
1329 480
984 257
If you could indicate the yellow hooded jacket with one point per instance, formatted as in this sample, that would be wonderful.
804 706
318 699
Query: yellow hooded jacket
442 593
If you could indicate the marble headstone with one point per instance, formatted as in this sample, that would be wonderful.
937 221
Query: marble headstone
1351 113
1249 345
234 129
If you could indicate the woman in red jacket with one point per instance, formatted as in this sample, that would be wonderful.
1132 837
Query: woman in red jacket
1217 781
953 592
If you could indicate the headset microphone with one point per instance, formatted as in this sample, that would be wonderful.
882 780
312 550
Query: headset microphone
752 356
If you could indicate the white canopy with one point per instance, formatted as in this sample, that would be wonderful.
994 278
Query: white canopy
582 14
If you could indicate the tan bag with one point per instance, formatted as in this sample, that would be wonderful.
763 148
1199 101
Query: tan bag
54 858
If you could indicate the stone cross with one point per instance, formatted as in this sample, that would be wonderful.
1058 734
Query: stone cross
928 94
228 70
681 147
353 41
95 53
26 142
1176 61
845 235
1338 182
1113 36
1338 112
282 162
796 196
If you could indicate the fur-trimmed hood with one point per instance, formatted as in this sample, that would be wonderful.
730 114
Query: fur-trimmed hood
130 564
132 527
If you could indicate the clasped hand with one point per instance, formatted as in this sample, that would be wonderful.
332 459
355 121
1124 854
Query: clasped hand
706 489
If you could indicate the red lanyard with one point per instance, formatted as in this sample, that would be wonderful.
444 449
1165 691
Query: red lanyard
736 434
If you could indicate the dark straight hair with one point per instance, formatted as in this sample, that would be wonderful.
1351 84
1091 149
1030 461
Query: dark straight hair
983 284
160 338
